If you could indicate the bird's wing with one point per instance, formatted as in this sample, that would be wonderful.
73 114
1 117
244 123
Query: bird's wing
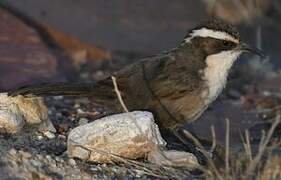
171 76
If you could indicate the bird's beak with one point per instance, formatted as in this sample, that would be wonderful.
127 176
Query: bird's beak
246 48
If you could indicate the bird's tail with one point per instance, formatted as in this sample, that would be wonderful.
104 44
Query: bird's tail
62 89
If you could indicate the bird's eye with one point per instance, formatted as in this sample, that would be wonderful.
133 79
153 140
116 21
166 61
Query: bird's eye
227 43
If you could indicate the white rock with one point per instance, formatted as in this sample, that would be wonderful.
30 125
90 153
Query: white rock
47 126
11 118
49 135
16 111
39 137
173 158
72 162
132 135
33 109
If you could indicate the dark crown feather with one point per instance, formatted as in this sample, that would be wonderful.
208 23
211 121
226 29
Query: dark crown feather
219 25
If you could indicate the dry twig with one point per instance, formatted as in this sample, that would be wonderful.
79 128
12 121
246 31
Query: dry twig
149 169
253 165
119 94
227 149
205 153
214 140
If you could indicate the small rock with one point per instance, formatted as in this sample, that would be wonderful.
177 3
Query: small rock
233 94
58 97
33 109
48 157
131 135
72 119
47 125
11 120
80 111
58 159
83 121
39 137
173 158
13 152
25 155
72 162
16 111
79 152
63 127
49 135
77 105
62 137
35 163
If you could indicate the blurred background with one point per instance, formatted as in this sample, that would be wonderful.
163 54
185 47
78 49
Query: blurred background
86 40
42 40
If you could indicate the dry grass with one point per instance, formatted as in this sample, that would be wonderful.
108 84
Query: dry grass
244 166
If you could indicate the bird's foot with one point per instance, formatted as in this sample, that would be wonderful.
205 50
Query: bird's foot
190 147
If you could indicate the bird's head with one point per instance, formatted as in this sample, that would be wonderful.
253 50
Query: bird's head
216 37
216 45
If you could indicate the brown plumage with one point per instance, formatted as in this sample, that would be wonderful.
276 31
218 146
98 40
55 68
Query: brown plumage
159 84
170 84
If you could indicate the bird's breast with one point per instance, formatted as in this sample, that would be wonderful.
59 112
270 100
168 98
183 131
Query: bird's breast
216 72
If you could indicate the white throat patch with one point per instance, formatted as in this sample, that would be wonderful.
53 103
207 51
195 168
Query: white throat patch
216 72
204 32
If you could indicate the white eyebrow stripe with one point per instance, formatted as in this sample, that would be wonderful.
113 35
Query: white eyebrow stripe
204 32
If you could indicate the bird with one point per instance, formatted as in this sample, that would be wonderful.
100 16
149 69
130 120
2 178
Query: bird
177 85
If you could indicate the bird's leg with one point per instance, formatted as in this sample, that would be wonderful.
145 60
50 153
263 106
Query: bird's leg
189 146
178 133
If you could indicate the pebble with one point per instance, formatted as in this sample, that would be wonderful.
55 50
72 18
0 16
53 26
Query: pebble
62 137
50 112
49 135
95 169
25 155
63 127
266 93
40 157
77 105
58 159
39 137
234 94
35 163
173 158
72 162
13 152
58 97
83 121
58 114
80 111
